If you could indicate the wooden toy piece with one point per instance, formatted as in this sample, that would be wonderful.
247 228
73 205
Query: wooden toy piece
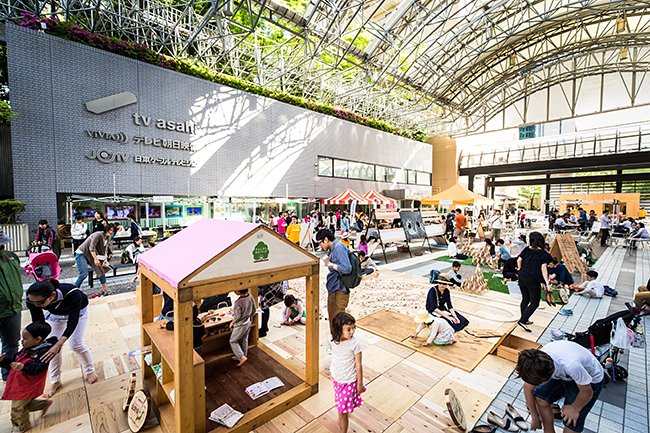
455 410
138 410
130 391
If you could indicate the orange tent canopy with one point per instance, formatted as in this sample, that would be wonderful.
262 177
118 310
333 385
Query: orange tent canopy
456 195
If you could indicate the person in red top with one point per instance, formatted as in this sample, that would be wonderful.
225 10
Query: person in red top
461 225
26 380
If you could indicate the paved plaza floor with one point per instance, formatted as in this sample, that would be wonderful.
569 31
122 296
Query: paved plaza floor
405 388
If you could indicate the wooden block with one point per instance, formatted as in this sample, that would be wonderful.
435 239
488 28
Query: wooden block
394 348
511 346
78 424
320 403
480 380
498 365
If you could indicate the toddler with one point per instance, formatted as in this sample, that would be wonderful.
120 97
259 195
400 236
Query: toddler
243 313
346 368
440 331
293 311
27 376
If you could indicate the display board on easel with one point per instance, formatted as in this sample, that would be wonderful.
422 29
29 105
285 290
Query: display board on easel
564 248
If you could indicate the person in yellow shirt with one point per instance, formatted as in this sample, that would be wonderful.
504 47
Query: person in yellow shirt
293 231
642 213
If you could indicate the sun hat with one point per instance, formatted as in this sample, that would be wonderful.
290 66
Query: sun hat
345 235
443 279
423 316
4 239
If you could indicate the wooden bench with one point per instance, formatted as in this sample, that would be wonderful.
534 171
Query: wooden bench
91 272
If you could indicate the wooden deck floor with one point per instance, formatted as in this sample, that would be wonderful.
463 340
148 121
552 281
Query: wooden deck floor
405 389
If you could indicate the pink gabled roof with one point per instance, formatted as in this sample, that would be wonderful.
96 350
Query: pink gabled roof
192 247
346 197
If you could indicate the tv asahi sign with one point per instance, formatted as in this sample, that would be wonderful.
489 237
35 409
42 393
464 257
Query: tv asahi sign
124 99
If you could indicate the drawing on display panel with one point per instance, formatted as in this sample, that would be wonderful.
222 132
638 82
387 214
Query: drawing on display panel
87 212
119 212
173 211
193 210
154 211
413 225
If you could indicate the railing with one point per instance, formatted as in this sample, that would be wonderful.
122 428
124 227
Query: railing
581 144
19 234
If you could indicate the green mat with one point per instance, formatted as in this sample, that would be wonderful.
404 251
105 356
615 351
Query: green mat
466 262
495 283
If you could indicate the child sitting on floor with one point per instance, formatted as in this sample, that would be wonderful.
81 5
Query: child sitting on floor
455 276
559 274
440 331
28 374
452 250
591 287
243 313
293 311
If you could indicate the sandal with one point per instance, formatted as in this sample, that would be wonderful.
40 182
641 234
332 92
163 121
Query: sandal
557 412
518 419
505 424
564 297
483 428
524 326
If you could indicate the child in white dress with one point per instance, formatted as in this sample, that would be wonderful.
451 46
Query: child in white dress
440 331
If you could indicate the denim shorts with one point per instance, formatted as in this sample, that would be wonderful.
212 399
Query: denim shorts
555 389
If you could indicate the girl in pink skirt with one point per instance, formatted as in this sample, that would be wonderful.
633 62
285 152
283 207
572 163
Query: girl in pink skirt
346 368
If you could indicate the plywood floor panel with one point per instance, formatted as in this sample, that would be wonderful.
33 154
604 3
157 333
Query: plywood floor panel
389 397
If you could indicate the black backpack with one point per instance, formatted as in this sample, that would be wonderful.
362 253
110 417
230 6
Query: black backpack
352 279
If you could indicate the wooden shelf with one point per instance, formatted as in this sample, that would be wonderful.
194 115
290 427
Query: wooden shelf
164 341
168 388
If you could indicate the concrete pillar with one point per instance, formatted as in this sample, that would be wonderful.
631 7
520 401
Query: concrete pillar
445 163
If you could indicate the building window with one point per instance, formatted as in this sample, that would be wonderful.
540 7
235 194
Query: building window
328 167
526 132
325 166
423 178
359 170
340 168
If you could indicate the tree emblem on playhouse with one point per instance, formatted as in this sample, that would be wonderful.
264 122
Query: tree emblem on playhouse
260 252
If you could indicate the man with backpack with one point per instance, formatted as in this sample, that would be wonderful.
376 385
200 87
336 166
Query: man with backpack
338 262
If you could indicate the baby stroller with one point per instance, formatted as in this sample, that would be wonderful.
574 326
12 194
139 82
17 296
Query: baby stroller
600 333
43 266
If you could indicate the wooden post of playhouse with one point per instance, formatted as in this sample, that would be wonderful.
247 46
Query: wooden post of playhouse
146 308
183 375
312 331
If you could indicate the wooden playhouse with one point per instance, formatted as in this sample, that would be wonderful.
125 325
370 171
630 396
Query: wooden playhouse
209 258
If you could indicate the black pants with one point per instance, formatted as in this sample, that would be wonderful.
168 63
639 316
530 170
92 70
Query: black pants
264 327
460 257
531 292
510 275
604 234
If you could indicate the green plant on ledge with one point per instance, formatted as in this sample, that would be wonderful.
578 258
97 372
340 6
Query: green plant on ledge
135 50
10 211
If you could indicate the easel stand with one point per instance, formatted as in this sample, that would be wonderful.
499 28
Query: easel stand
209 258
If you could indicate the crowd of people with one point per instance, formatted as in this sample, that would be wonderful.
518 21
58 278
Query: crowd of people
59 311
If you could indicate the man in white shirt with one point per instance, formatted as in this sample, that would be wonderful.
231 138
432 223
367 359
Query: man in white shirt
591 287
496 222
560 369
605 221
